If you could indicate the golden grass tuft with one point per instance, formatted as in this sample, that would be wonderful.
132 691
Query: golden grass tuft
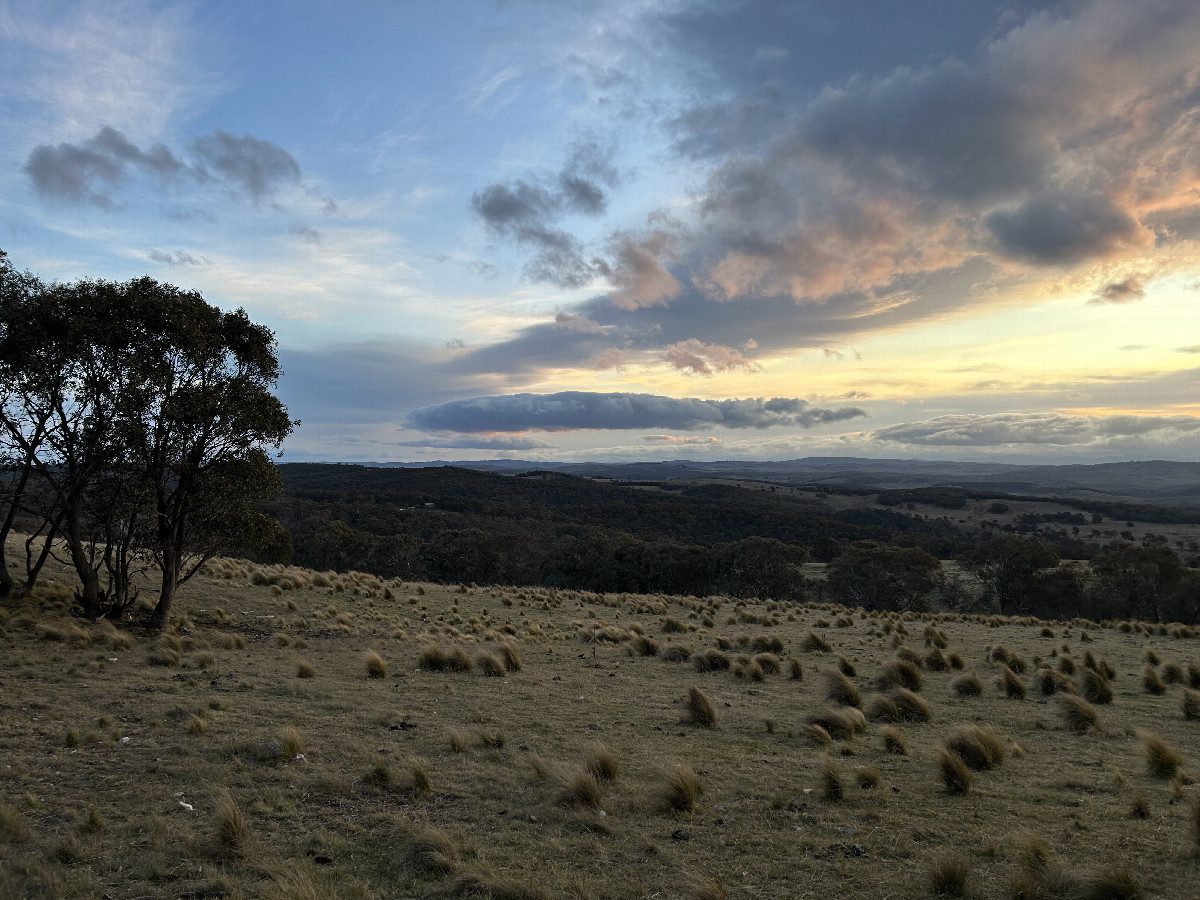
375 665
680 789
980 748
701 887
816 734
900 673
1151 683
491 887
840 690
699 710
893 740
580 788
1049 682
841 723
898 705
430 850
1139 807
305 669
955 774
1093 686
1077 714
832 786
1172 673
1191 704
1162 760
490 664
1011 684
197 725
512 659
457 740
868 777
795 669
291 742
603 763
968 685
814 643
949 874
233 828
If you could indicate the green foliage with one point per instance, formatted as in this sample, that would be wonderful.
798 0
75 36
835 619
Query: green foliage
877 576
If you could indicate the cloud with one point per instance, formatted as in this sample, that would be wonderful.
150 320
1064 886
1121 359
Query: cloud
306 233
705 359
92 171
1124 291
89 171
476 442
1032 428
579 410
1194 348
1066 228
177 258
255 166
684 439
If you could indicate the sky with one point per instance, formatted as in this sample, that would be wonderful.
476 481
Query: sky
645 229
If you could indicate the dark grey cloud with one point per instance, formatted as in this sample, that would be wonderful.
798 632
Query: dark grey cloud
527 211
88 172
92 171
306 233
177 258
1124 291
1034 428
579 410
1066 229
256 167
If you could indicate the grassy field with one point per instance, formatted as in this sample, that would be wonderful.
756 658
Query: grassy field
308 735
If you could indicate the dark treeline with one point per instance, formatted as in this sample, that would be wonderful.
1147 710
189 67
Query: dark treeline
458 525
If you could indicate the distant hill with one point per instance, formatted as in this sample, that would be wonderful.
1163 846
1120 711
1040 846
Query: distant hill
1153 481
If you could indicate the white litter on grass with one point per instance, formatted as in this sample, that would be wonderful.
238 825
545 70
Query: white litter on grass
124 740
299 757
186 806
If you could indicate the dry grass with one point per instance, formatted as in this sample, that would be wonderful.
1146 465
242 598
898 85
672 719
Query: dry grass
1076 713
955 774
979 748
580 788
893 740
900 673
1191 704
968 685
679 790
1151 683
375 665
840 723
1094 687
1162 760
232 826
898 705
833 786
1011 684
603 763
840 690
949 875
699 709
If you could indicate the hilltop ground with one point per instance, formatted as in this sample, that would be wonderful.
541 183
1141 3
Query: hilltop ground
283 740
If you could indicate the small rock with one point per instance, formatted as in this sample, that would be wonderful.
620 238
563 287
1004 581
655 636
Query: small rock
681 834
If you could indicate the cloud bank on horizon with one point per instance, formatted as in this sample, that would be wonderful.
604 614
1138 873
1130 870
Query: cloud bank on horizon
576 231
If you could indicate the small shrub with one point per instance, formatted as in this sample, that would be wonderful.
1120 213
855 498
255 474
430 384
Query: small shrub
893 740
832 786
967 685
375 665
949 875
700 710
1162 759
1151 683
1077 714
680 789
955 774
841 690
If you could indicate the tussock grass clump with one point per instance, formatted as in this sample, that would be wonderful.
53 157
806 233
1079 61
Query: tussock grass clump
680 789
291 742
705 888
841 690
641 645
1011 684
1006 657
196 725
710 661
900 673
893 740
13 829
769 663
490 664
508 653
304 669
430 850
935 661
1152 658
580 788
1094 686
674 653
375 665
979 748
949 875
898 705
1191 705
1151 683
233 828
868 777
956 662
602 762
699 710
1162 760
833 788
955 774
489 887
967 685
816 734
1049 682
453 659
841 723
814 643
795 669
1172 673
456 739
846 667
1066 665
1193 671
1139 807
1077 714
